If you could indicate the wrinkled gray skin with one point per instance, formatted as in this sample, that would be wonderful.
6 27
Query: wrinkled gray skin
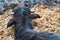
23 29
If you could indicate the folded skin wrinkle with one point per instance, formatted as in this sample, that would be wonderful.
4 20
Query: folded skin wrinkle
23 29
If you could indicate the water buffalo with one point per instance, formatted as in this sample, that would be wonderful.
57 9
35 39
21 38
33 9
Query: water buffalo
22 29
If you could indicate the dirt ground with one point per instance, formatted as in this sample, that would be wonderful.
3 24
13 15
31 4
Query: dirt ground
49 21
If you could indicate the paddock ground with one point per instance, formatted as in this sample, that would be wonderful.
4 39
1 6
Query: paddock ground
49 21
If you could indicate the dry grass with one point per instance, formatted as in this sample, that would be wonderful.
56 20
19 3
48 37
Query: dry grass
49 21
5 34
